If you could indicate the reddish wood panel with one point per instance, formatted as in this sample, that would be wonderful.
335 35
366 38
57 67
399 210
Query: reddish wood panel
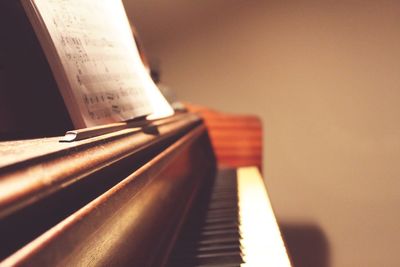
236 139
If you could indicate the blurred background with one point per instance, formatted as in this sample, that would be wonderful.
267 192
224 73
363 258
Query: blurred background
324 77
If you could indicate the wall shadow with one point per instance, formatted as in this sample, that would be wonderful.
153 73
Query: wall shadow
306 243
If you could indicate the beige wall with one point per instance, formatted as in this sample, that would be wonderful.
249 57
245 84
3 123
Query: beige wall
324 77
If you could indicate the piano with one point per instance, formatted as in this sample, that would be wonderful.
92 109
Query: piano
152 195
180 191
158 194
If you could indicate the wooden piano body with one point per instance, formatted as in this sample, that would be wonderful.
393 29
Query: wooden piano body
114 200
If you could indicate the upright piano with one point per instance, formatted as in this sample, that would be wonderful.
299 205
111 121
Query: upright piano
158 194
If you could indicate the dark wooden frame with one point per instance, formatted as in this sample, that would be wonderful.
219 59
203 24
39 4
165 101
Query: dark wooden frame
131 221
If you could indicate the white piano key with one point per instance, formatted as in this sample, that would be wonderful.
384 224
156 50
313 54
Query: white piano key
261 241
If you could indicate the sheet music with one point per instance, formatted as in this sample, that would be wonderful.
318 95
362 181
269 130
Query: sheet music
104 76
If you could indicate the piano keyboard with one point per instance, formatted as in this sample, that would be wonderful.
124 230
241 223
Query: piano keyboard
231 224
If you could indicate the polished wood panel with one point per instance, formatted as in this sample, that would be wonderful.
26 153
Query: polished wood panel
236 139
51 165
116 214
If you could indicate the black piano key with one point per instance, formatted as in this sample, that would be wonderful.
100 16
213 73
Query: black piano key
215 215
221 226
218 265
222 205
211 235
219 248
219 241
193 252
210 258
220 232
233 210
220 236
220 220
215 258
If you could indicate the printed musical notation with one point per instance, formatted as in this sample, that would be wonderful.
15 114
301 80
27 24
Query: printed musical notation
102 67
115 99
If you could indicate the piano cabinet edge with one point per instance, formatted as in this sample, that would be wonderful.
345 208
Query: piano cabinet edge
49 166
134 223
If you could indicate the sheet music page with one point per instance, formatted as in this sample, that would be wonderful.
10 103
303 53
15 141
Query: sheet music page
100 72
